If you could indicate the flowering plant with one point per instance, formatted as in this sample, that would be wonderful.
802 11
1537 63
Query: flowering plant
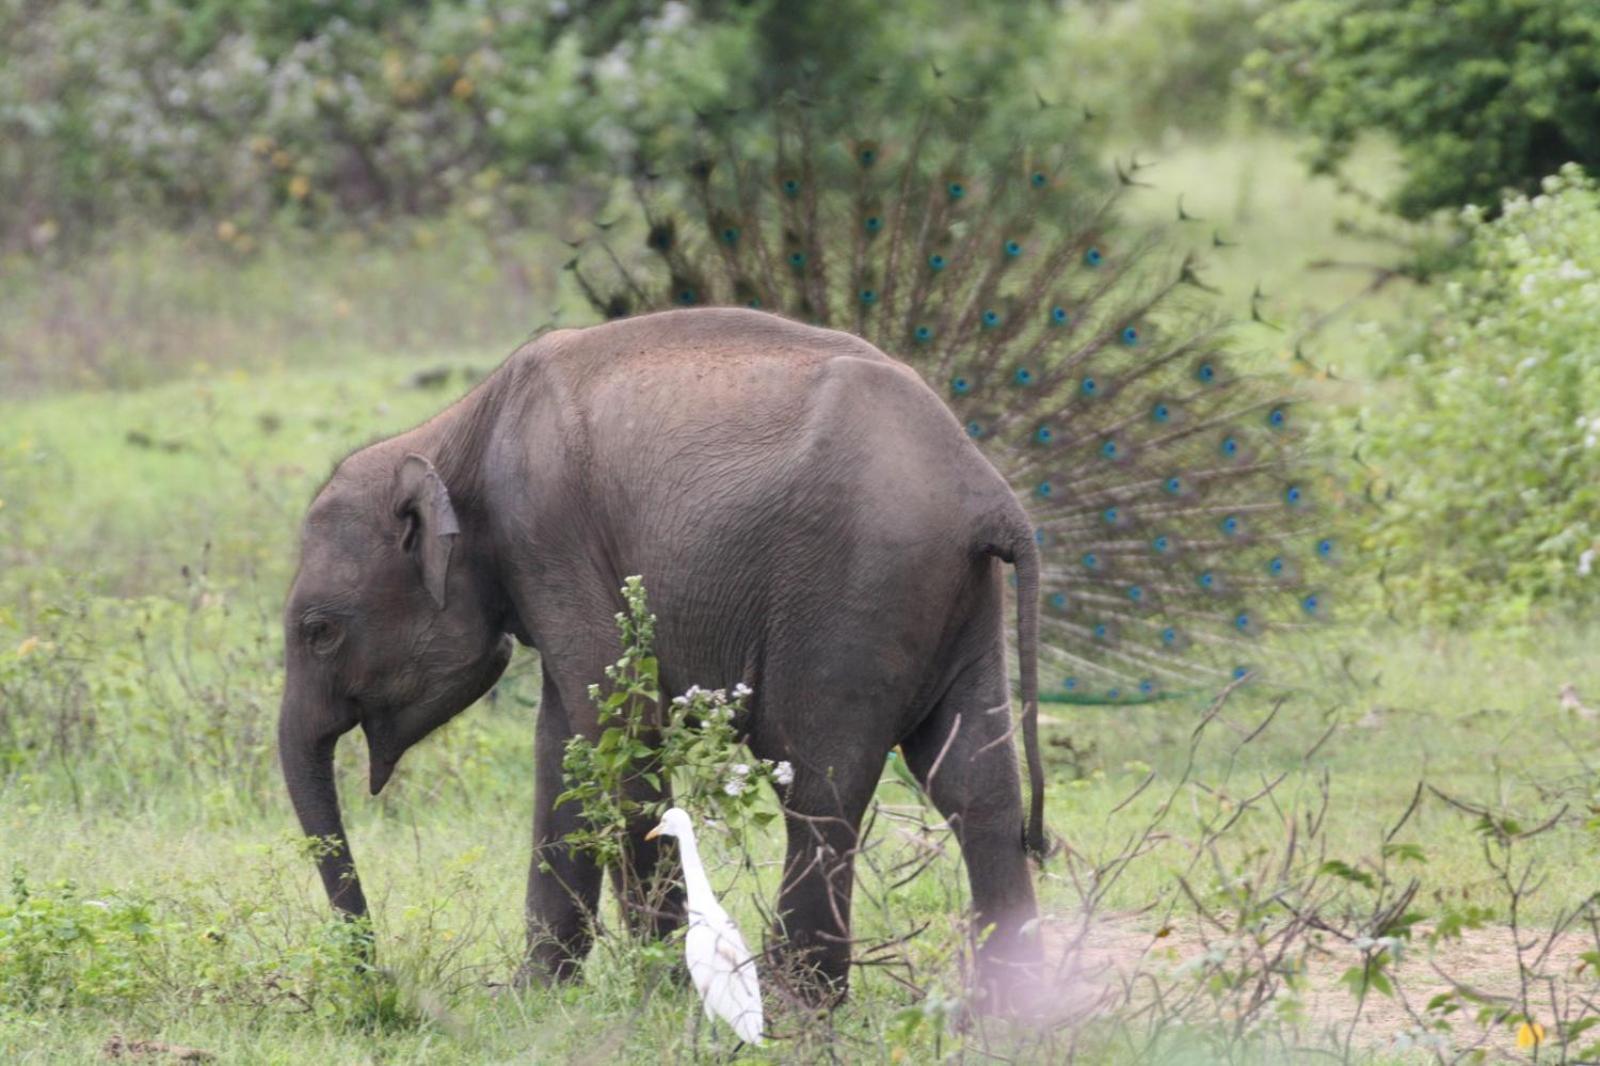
692 744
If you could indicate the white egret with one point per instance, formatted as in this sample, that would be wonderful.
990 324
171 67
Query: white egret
721 967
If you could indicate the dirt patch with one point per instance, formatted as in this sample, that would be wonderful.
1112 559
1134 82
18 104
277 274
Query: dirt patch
1131 963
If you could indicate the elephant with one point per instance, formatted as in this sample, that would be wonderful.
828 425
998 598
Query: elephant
809 519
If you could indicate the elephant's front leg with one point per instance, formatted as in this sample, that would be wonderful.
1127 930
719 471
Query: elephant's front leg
652 904
563 882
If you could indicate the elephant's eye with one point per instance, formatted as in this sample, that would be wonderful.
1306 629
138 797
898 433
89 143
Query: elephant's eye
321 635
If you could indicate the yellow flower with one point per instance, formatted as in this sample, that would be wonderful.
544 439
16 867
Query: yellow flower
462 88
299 186
1529 1035
26 647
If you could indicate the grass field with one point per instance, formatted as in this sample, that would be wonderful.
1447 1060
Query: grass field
158 891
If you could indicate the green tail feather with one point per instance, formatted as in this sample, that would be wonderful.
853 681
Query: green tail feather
1178 533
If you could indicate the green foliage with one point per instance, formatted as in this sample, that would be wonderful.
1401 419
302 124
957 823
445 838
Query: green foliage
331 114
1486 445
695 748
1480 95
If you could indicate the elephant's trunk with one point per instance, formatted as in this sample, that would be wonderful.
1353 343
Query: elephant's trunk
307 756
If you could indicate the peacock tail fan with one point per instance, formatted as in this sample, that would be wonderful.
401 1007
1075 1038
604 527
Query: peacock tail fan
1182 540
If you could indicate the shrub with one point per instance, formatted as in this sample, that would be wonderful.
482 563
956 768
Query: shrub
1486 443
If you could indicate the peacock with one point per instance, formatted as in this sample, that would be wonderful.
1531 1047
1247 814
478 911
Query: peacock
1167 483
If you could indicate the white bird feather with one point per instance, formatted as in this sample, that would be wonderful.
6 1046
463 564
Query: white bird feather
720 965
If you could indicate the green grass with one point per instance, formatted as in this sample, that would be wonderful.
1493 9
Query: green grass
139 762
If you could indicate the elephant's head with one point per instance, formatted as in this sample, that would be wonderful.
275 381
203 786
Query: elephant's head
394 624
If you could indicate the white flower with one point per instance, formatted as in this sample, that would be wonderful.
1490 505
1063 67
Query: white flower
783 773
741 769
1586 562
741 690
735 786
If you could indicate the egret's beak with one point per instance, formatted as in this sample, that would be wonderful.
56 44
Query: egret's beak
653 833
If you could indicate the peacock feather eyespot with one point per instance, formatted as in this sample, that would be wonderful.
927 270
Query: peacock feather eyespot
1044 435
1169 636
1130 336
1147 687
1230 446
1113 693
1089 387
873 223
1045 489
1325 547
1241 621
1277 418
1058 600
730 235
869 297
936 261
1293 495
960 386
797 260
1311 604
1023 376
1091 561
867 156
1108 450
686 297
1111 515
1013 249
791 187
661 237
975 429
991 319
956 190
1240 672
1207 580
1160 413
1275 566
1135 593
1093 257
1205 373
1173 485
1101 631
1230 525
1039 179
1059 316
1162 544
923 334
1039 538
1069 683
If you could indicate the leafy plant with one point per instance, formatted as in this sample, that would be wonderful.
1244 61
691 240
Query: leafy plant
692 746
1485 448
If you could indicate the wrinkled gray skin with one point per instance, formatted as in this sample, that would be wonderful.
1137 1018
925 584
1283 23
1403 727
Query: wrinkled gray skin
808 519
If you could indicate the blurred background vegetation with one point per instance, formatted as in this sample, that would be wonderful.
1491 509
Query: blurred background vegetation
240 237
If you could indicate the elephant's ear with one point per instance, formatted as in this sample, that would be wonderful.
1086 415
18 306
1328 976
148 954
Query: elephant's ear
422 504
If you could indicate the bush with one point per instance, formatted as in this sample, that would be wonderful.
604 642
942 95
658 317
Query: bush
1487 444
1481 95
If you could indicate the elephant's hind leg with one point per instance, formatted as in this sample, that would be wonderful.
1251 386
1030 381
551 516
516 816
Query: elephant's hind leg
964 756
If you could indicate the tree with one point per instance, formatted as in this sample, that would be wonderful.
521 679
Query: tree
1481 95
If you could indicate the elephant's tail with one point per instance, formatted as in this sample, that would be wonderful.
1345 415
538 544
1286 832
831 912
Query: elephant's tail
1022 551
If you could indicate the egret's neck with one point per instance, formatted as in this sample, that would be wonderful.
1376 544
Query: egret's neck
695 882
